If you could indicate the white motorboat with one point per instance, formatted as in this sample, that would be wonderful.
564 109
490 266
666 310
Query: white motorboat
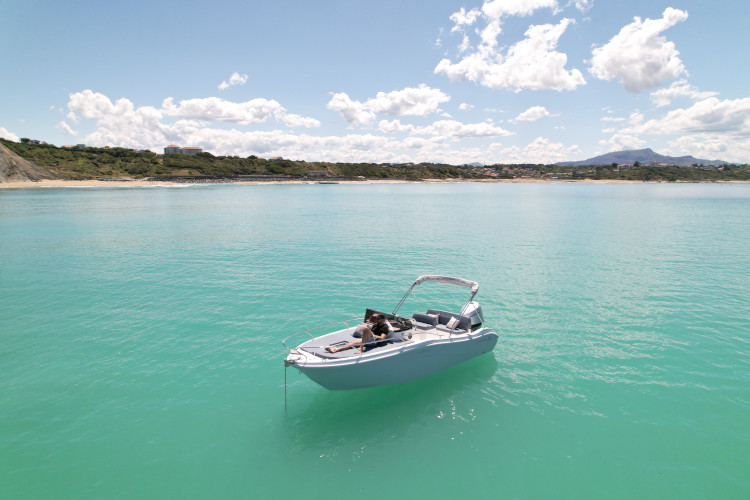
417 346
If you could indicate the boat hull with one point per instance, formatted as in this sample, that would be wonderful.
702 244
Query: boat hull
411 361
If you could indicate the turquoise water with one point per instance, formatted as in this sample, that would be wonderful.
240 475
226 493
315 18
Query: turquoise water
141 328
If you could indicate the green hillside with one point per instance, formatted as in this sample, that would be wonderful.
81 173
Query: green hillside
88 163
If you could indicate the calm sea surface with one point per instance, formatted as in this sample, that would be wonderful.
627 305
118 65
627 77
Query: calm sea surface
141 328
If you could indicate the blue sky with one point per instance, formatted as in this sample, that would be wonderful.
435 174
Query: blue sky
500 81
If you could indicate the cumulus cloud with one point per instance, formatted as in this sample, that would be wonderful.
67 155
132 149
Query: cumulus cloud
496 9
119 123
419 101
235 79
710 128
680 88
92 104
583 5
731 116
394 126
214 108
621 141
6 134
354 112
411 101
292 121
458 130
532 114
463 18
540 150
446 129
713 147
123 124
243 113
66 129
638 56
636 118
532 63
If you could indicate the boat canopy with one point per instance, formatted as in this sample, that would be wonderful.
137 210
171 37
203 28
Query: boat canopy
448 281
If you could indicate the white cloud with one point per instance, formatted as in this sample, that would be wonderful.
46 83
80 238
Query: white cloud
496 9
122 124
532 114
354 112
457 130
411 101
635 118
540 150
394 126
66 129
711 129
235 79
463 18
95 105
465 44
419 101
622 141
707 146
638 56
244 113
731 116
291 120
713 147
216 109
533 63
465 106
680 88
446 129
489 35
6 134
119 123
584 5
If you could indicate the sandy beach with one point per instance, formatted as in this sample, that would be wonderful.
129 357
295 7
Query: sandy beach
130 182
47 183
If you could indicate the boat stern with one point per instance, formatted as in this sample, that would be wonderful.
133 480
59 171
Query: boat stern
474 311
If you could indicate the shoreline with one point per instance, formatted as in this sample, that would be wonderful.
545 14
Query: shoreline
125 182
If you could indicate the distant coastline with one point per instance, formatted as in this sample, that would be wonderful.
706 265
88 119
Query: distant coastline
47 165
125 182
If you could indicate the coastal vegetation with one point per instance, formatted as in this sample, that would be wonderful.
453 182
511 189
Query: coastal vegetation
112 163
90 163
614 172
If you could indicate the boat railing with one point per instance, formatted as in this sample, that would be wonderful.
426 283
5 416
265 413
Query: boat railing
324 325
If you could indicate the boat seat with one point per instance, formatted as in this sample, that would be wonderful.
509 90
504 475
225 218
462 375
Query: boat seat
425 320
444 317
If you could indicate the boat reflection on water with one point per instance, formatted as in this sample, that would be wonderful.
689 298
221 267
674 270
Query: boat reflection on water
386 412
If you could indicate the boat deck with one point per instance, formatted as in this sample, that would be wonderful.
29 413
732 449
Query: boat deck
420 332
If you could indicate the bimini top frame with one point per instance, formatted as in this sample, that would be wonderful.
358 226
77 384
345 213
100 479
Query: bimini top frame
446 280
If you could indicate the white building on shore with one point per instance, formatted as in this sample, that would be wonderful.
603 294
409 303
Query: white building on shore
175 150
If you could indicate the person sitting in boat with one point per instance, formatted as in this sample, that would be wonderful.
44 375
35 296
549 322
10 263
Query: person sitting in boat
378 329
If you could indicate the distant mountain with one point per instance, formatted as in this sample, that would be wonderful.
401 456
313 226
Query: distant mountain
643 156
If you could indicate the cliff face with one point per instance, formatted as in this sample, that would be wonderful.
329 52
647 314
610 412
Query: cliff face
13 168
